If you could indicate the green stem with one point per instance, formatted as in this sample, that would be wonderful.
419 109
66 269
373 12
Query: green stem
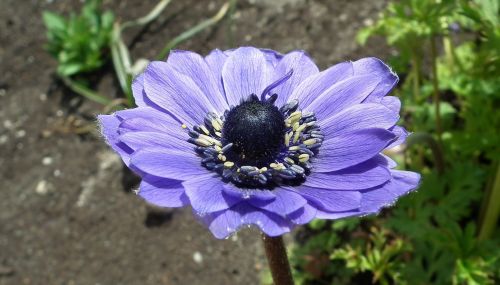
277 260
419 138
193 31
151 16
230 23
121 62
492 209
435 87
416 76
84 91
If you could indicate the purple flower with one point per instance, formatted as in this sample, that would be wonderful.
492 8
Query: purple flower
253 137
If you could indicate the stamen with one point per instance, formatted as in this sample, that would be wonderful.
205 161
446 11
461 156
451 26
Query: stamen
302 138
275 84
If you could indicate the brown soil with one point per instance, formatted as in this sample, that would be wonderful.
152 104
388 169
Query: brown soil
67 211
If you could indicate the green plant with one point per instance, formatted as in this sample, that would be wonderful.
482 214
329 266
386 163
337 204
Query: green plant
80 43
447 231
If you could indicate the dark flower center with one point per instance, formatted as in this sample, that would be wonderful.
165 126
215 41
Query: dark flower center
256 129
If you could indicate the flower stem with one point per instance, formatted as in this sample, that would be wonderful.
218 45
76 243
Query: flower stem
435 88
278 260
491 209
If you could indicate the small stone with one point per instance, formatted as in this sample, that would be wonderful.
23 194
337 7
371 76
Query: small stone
20 133
8 124
47 160
42 187
3 139
57 173
197 257
43 97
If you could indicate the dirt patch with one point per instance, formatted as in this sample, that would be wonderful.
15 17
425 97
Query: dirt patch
67 212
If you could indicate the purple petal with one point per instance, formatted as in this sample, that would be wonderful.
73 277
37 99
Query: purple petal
109 129
178 165
144 140
302 66
285 203
331 200
215 60
401 183
224 223
194 66
206 195
245 72
338 215
272 57
375 66
362 176
269 223
360 116
401 135
303 215
176 93
249 194
343 95
163 192
312 87
392 103
350 149
138 90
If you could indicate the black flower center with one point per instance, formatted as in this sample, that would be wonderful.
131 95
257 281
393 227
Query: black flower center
256 129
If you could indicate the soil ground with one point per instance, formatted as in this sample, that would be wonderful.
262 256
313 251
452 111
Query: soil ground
68 214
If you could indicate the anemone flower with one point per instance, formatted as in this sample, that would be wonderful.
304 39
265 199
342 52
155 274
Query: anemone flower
252 137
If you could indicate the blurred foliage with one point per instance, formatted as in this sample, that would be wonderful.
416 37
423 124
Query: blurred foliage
432 236
84 43
80 42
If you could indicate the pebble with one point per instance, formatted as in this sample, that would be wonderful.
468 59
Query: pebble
20 133
42 187
197 257
47 160
3 139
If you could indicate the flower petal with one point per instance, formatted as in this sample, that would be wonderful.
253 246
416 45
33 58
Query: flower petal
362 176
224 223
331 200
194 66
245 72
302 66
351 148
249 194
375 66
215 60
343 95
206 195
142 140
138 90
360 116
163 192
312 87
285 203
176 93
178 165
401 135
392 102
401 183
109 129
303 215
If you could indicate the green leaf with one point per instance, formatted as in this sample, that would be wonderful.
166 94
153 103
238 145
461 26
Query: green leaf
53 22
